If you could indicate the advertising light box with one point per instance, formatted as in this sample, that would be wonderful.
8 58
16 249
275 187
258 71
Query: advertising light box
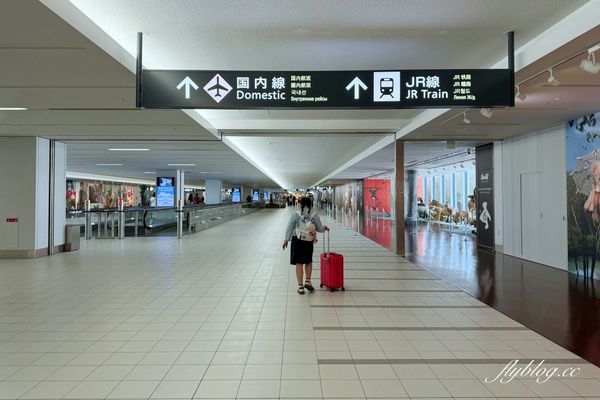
235 195
165 191
192 89
255 195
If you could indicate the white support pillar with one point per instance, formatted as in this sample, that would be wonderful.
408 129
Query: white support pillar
212 191
27 223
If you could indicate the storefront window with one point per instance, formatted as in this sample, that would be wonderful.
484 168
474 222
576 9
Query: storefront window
471 182
452 188
460 191
437 188
448 189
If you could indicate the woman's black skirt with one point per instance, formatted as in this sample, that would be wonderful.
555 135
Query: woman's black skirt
301 251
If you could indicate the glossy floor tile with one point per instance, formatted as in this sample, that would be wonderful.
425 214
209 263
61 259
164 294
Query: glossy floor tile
216 315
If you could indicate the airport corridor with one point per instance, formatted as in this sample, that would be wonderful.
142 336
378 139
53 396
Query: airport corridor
216 315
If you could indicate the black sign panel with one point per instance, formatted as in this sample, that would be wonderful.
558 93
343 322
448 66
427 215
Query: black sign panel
325 89
484 157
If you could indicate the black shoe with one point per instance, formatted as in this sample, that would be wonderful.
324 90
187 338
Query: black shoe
300 289
309 286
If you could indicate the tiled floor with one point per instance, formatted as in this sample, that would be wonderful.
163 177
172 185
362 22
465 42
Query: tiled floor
217 316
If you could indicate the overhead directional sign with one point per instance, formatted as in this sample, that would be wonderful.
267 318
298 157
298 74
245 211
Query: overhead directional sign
326 89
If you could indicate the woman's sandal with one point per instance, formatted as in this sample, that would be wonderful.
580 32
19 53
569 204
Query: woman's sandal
300 289
309 286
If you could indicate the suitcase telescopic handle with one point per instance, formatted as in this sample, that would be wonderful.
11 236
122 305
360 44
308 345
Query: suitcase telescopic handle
328 243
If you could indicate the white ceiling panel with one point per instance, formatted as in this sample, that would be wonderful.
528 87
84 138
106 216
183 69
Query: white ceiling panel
383 161
213 160
295 162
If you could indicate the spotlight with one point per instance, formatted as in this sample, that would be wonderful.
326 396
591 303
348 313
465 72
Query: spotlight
465 119
487 112
590 65
519 95
552 80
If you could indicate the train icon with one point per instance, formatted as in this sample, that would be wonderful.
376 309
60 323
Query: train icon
386 87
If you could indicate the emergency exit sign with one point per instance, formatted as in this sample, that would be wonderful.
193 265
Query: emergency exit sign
9 220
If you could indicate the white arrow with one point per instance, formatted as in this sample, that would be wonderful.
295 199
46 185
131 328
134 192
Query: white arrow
187 82
356 84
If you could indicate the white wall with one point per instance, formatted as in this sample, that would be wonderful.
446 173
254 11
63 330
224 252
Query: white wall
539 160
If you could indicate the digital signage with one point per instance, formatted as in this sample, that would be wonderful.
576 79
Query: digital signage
255 195
165 191
235 195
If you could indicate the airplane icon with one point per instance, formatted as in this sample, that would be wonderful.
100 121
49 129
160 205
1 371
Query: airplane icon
218 87
215 88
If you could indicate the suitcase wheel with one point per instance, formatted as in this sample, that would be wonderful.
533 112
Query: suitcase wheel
343 289
333 290
321 285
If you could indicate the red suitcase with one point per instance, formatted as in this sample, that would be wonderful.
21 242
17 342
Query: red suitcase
332 268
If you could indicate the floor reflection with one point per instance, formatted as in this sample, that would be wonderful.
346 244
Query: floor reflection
380 231
560 306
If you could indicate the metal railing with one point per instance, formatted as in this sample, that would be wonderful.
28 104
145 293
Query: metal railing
113 223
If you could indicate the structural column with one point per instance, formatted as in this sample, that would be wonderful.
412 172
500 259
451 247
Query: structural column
399 206
32 216
411 195
212 191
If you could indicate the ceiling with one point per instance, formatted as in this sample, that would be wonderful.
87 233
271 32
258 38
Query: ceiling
316 34
308 121
383 161
300 161
213 160
545 105
311 35
76 89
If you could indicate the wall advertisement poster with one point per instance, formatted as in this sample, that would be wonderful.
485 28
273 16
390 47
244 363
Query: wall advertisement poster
583 194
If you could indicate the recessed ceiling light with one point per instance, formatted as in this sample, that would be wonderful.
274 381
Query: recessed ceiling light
108 165
557 98
128 149
149 172
13 109
181 165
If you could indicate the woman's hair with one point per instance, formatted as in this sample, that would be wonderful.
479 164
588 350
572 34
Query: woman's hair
306 202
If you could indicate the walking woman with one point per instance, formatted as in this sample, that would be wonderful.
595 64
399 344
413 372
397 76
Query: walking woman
302 231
